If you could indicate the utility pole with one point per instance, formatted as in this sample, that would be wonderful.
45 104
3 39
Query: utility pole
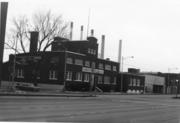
3 16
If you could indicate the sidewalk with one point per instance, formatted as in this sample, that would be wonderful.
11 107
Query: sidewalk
52 94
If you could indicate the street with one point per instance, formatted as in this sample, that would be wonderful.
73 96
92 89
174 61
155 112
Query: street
103 108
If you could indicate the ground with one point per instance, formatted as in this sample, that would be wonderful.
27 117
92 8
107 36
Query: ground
103 108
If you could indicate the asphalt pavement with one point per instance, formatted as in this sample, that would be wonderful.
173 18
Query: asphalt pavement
103 108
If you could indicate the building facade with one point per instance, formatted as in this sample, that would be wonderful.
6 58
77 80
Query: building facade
132 83
72 64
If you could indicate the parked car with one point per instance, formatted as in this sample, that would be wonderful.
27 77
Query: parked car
27 87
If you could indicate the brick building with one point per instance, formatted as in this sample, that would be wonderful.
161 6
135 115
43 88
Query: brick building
71 64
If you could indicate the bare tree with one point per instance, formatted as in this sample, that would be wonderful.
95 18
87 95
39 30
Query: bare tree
48 26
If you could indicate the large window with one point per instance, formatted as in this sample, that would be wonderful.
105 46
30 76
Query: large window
93 65
69 61
131 82
134 82
114 68
20 73
78 76
138 82
86 77
69 75
107 80
107 67
53 75
78 62
100 66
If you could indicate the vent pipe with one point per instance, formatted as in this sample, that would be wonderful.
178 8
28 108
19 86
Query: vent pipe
102 46
81 36
71 30
120 54
92 32
33 41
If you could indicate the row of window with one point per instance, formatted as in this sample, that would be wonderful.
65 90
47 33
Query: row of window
134 82
91 51
93 64
87 77
78 76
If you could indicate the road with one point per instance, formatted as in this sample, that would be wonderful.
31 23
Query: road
104 108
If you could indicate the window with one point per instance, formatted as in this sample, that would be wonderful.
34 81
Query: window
138 82
86 77
94 52
115 79
130 82
93 65
106 80
53 75
69 61
107 67
89 50
20 73
100 81
54 60
100 66
134 82
87 63
78 76
78 62
69 75
114 68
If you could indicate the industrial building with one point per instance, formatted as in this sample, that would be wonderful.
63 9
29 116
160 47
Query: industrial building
131 82
154 84
71 65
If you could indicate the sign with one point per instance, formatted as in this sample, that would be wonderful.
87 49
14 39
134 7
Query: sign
86 69
91 70
98 71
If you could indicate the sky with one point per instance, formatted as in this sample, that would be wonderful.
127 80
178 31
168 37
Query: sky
149 29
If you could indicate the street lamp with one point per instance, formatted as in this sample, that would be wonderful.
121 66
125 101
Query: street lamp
14 62
65 57
124 58
169 69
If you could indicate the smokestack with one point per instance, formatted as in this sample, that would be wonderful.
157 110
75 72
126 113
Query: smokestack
119 54
92 32
102 46
3 17
33 41
71 30
81 36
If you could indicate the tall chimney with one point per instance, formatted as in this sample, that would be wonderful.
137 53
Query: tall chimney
71 30
3 17
33 41
92 32
120 54
102 46
81 36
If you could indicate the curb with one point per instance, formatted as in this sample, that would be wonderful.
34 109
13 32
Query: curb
50 95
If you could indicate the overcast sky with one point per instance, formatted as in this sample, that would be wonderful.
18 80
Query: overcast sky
149 29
